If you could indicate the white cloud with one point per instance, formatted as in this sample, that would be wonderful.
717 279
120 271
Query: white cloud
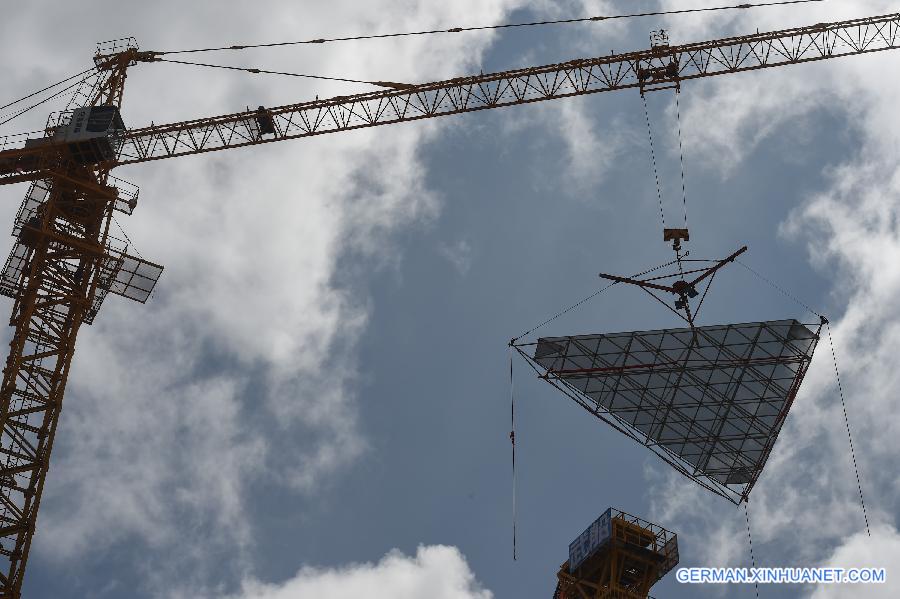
590 149
436 572
458 254
860 551
241 369
591 141
728 117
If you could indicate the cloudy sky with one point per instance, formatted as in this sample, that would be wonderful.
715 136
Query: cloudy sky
315 402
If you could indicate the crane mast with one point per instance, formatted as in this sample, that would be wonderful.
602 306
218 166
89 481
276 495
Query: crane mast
64 261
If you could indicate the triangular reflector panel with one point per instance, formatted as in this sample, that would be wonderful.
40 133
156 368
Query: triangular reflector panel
709 400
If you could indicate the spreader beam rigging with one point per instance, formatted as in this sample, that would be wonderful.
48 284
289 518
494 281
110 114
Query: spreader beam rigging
684 287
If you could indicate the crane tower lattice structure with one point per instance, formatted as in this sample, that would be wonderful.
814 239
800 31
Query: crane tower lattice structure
63 264
619 556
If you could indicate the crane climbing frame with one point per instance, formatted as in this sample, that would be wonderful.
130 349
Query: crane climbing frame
66 252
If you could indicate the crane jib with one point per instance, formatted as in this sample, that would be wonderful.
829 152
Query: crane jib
658 66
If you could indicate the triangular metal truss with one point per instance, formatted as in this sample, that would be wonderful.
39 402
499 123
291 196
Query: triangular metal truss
708 400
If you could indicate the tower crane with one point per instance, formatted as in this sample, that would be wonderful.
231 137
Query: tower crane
65 261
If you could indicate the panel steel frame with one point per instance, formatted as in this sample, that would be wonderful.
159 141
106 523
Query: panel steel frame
710 401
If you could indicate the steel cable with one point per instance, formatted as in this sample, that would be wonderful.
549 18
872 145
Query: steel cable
31 95
47 99
503 26
388 84
837 376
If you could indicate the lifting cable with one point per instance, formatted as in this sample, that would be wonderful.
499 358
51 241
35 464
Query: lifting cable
653 162
503 26
681 156
837 376
684 194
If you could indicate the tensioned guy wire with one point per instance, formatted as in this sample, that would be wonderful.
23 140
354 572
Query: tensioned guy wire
588 298
31 95
503 26
778 288
837 376
388 84
47 99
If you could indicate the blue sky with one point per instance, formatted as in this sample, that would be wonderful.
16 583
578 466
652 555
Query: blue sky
316 400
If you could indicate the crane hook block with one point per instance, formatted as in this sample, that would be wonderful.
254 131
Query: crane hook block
676 236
